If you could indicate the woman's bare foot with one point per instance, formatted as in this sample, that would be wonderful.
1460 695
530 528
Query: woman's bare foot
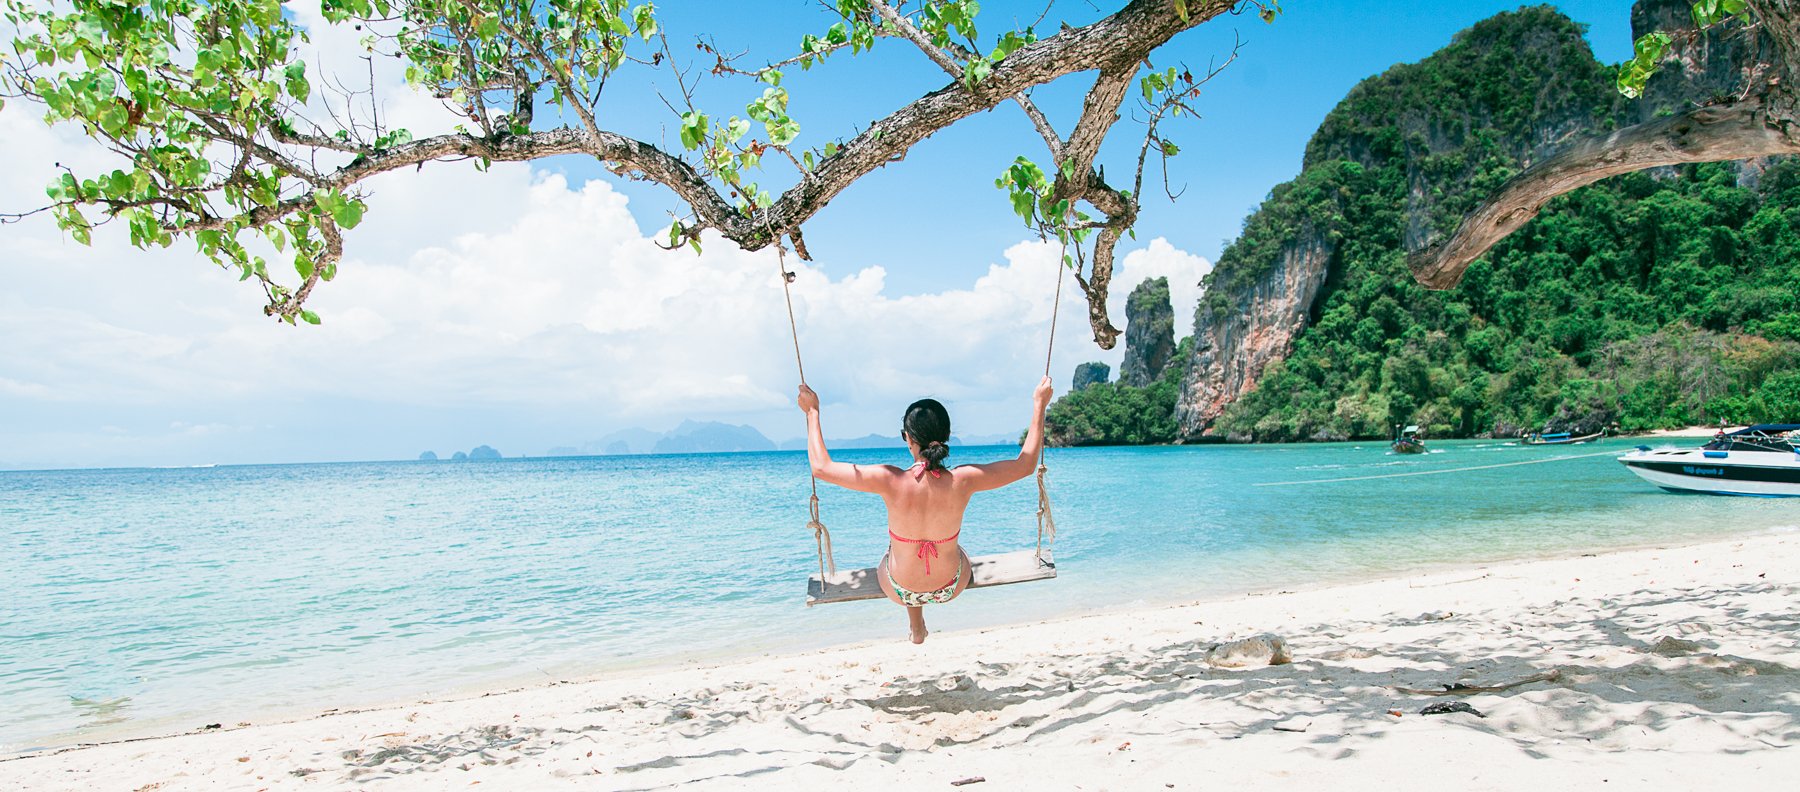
916 617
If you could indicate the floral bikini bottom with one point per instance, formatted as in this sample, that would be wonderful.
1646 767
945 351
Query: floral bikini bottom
914 599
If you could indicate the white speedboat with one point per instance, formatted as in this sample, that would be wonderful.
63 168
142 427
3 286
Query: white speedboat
1760 460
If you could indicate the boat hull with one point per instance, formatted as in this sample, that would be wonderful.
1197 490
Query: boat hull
1769 475
1563 440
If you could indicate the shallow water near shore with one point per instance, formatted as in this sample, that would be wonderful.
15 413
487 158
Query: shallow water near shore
150 600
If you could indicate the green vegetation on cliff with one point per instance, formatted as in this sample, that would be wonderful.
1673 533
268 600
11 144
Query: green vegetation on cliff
1643 300
1113 413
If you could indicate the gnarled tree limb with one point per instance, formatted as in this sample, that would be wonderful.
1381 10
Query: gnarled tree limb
1706 134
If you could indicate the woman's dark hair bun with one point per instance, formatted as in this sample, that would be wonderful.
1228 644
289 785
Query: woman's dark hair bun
934 453
928 424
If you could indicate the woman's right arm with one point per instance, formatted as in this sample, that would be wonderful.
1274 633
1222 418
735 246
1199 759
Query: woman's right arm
843 474
994 475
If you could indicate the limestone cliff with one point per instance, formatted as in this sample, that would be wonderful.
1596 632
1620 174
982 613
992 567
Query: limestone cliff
1149 333
1090 373
1235 339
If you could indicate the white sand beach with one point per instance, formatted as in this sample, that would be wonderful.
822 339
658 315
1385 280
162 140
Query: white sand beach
1663 668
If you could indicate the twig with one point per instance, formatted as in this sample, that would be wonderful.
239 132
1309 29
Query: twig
1460 689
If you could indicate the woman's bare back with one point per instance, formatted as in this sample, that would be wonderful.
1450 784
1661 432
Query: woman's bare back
927 508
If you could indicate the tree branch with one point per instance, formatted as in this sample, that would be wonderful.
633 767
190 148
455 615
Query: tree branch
1705 134
1128 36
1099 111
937 56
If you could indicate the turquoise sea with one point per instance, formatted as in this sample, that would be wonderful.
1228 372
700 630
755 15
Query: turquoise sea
147 600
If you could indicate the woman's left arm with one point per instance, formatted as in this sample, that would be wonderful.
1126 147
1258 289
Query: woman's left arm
843 474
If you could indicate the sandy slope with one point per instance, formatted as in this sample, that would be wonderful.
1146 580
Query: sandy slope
1675 668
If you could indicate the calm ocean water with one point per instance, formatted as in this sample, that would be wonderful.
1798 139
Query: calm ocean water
164 599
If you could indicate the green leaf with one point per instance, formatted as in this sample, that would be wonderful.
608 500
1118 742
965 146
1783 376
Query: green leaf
1181 9
772 76
304 266
783 131
1705 12
975 71
693 129
350 215
488 27
297 86
645 17
736 129
309 317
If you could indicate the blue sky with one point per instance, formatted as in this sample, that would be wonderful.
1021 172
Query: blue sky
526 309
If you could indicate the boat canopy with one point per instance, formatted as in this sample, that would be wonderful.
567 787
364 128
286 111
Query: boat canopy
1415 429
1766 429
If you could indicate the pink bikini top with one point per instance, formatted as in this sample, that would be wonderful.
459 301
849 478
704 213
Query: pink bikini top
927 547
935 472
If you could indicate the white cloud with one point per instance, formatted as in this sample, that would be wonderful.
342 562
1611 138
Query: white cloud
1160 259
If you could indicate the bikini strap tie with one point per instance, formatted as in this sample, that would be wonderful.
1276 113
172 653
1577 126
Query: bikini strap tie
927 547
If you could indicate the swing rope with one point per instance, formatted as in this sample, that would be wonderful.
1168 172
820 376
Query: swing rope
1046 522
821 534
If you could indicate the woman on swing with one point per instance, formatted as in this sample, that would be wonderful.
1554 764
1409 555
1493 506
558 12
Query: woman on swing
925 564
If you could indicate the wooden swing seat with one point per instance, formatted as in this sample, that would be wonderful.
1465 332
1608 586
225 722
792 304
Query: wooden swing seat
850 585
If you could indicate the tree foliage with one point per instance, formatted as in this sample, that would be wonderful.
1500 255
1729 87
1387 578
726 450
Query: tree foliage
225 138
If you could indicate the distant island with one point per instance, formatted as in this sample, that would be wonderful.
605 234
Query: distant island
481 452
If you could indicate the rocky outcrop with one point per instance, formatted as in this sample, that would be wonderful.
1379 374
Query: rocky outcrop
484 452
1149 333
1235 339
1257 650
1091 373
428 456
